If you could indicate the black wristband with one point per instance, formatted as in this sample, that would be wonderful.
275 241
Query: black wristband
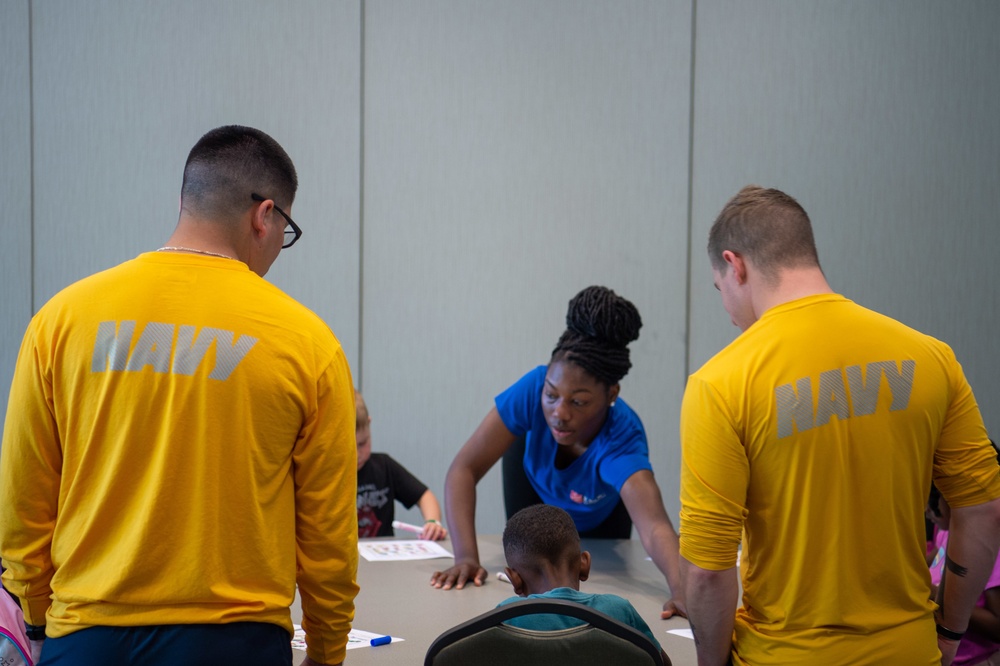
35 632
949 634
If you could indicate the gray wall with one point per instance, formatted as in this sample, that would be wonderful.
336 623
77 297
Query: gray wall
16 279
466 167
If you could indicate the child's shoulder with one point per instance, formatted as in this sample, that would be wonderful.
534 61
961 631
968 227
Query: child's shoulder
602 602
616 600
388 461
384 458
377 464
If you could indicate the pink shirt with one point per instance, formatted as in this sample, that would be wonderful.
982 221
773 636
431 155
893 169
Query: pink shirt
14 644
973 649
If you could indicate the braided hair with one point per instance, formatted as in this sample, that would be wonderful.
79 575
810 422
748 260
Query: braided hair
599 326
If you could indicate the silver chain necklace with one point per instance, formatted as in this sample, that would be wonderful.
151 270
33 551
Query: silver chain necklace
177 248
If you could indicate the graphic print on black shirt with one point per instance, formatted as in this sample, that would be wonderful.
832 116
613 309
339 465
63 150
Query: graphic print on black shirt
381 482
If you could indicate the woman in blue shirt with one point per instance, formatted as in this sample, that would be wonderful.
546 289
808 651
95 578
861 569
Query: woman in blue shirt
584 448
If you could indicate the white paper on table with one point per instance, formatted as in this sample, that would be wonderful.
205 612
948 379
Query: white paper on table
355 639
389 550
683 633
359 639
298 638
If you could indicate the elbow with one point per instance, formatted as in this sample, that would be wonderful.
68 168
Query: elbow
459 475
979 519
458 472
993 512
658 533
699 577
996 517
697 580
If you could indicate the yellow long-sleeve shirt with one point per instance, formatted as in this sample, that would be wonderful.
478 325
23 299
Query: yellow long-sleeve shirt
814 436
179 448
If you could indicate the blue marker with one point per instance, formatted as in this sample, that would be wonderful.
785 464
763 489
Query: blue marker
381 640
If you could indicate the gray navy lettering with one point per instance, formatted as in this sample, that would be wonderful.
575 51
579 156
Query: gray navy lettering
857 396
165 352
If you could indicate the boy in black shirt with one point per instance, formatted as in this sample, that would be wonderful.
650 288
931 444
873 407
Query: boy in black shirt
381 481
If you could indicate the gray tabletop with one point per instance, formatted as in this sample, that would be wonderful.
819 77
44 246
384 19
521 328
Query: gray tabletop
396 598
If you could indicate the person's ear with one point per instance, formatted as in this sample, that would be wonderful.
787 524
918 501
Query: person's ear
520 589
737 264
585 565
258 220
613 393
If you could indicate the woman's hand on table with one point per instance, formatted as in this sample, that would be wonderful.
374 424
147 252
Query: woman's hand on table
673 608
458 575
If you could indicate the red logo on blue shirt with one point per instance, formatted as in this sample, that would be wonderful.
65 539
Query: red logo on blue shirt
583 499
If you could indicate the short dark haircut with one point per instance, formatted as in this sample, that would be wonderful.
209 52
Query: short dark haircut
599 326
540 533
766 226
231 162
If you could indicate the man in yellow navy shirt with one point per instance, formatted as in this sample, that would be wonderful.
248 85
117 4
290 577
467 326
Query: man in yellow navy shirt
178 452
813 438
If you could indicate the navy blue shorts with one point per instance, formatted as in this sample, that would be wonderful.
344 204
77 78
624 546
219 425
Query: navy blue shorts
244 643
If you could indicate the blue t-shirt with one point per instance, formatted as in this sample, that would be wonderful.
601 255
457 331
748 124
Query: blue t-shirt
589 488
610 604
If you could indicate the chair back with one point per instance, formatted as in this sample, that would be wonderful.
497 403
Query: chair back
486 641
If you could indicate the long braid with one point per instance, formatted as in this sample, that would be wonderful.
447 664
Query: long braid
599 326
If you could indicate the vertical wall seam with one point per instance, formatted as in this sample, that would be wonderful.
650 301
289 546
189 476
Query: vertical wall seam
690 198
31 160
358 374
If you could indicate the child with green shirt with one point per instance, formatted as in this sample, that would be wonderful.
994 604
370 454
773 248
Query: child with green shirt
544 561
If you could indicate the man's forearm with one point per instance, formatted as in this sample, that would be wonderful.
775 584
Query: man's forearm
973 540
711 604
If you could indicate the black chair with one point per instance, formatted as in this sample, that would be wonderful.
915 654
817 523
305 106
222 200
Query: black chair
517 490
486 641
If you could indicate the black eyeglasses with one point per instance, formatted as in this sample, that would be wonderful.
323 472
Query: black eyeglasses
291 235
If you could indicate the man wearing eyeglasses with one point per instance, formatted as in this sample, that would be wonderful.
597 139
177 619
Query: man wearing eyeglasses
179 446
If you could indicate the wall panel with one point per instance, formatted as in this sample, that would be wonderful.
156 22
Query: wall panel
123 90
515 153
881 119
512 153
15 185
